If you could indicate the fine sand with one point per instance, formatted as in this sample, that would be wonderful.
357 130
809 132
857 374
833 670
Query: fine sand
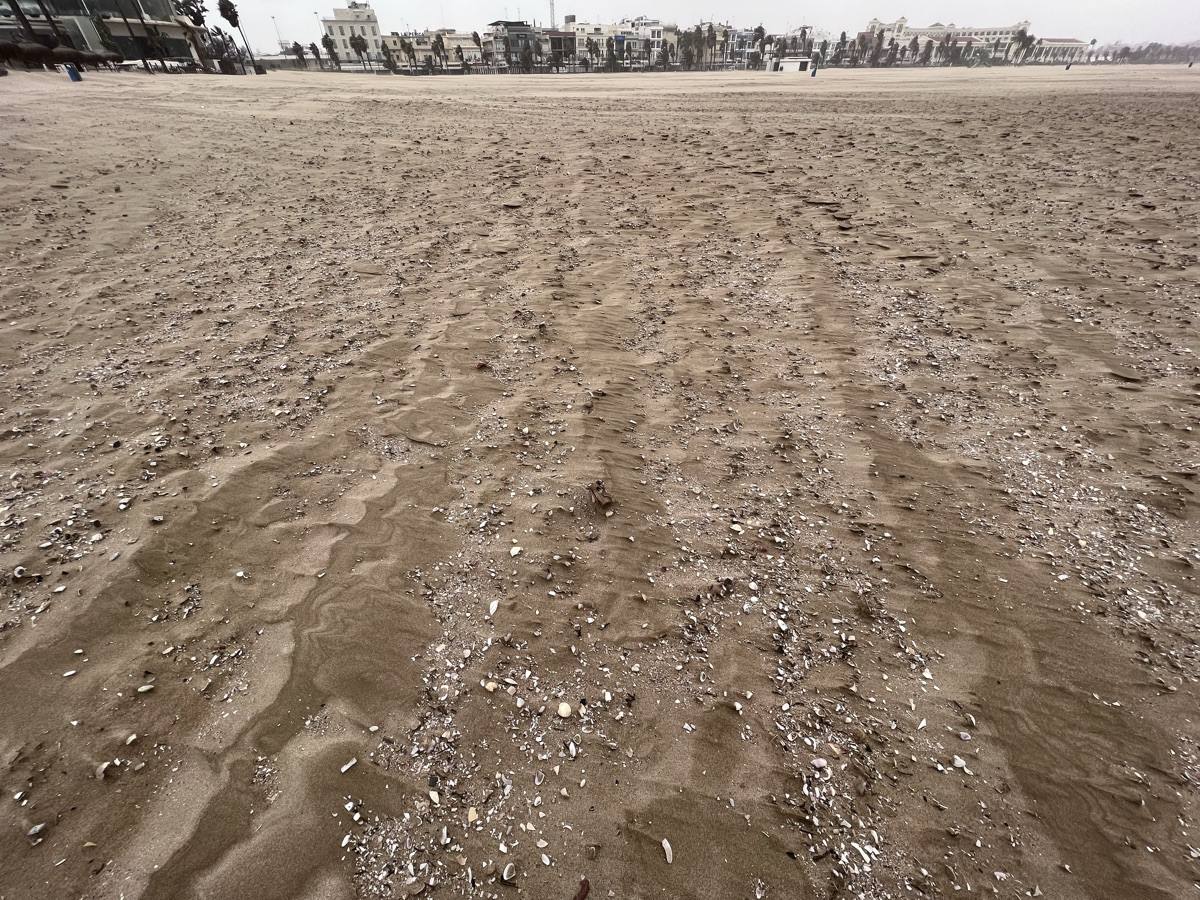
890 589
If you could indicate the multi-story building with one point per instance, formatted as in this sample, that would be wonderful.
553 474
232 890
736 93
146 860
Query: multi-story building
655 32
1059 50
735 52
560 44
998 37
422 44
356 18
506 38
634 40
134 28
986 34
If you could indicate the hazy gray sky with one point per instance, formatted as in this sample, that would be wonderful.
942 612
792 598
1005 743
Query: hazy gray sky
1169 21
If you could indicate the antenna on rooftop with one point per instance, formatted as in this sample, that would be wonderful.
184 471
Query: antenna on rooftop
553 21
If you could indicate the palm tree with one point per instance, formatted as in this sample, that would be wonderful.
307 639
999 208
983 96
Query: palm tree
358 44
388 59
664 56
711 41
316 54
195 12
877 51
409 52
331 51
914 47
1016 43
698 44
298 52
229 13
478 42
610 48
1025 43
943 48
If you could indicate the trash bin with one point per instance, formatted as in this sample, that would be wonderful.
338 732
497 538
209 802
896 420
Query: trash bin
72 72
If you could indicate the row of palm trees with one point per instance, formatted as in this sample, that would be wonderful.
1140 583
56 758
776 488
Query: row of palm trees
439 54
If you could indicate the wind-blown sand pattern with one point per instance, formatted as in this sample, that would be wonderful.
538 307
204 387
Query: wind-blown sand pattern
890 586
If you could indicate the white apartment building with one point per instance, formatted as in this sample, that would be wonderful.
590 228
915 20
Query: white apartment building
422 43
598 33
356 18
654 31
638 34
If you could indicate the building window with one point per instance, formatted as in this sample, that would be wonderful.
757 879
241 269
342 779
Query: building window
373 30
342 30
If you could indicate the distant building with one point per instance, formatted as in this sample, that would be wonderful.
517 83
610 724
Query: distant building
1059 49
559 44
998 37
903 33
356 18
506 38
655 32
634 40
737 51
422 44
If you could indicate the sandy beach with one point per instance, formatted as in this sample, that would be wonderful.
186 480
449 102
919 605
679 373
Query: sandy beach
637 486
